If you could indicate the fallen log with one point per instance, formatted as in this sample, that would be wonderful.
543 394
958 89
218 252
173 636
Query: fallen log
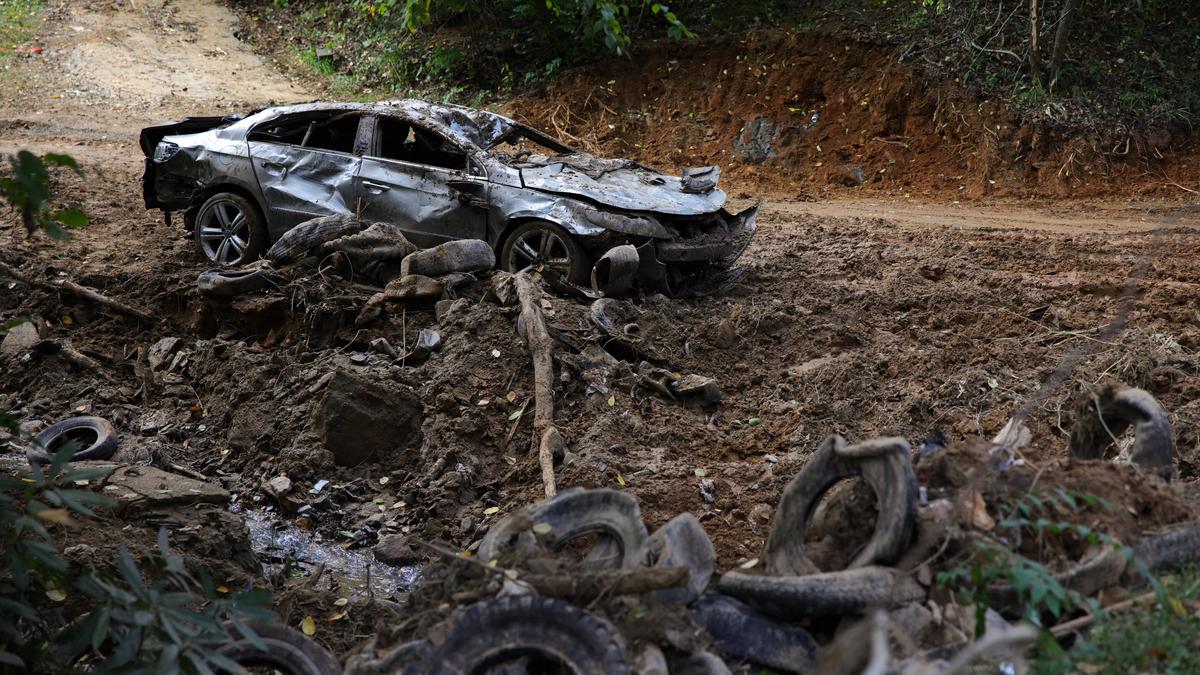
532 326
75 289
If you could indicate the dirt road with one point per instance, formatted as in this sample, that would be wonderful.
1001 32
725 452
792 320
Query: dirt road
857 316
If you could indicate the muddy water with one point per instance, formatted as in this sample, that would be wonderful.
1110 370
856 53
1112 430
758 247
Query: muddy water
278 543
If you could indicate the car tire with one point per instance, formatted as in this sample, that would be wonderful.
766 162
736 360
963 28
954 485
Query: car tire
884 464
793 598
229 230
283 649
228 283
94 439
542 631
575 265
571 514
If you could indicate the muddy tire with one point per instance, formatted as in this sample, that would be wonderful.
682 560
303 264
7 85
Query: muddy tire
1102 571
539 242
285 649
1175 547
306 237
890 474
93 437
740 631
683 541
542 634
571 514
1108 412
229 230
827 594
229 283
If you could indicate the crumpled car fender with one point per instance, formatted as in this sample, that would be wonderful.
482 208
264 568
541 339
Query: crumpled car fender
584 220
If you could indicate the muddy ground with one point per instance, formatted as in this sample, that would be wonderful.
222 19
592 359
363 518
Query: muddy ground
855 316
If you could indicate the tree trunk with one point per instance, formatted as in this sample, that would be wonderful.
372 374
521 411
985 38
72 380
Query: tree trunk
1035 53
1060 40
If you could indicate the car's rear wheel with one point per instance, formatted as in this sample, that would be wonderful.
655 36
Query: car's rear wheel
229 230
540 243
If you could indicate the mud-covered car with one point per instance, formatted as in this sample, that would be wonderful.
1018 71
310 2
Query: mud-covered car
439 173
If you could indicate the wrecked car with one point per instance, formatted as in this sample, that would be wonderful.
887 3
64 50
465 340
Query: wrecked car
439 173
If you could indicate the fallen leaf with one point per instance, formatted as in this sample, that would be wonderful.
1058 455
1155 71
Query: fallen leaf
515 414
338 616
701 473
384 480
490 510
612 400
748 564
55 516
308 626
753 421
56 594
222 589
512 396
341 602
621 479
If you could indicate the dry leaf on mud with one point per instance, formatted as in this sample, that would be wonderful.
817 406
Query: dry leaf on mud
308 626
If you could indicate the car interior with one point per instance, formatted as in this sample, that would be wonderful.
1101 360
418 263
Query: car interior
335 133
406 142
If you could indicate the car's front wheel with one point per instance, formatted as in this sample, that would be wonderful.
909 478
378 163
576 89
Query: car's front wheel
541 243
229 230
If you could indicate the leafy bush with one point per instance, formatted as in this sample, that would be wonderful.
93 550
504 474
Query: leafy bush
172 623
28 190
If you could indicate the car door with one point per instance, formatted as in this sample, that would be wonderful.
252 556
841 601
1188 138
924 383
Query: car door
305 165
418 180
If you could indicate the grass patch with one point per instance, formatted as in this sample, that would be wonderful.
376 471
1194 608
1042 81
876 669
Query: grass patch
20 20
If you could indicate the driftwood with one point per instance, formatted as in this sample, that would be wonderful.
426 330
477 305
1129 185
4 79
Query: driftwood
532 326
75 289
586 587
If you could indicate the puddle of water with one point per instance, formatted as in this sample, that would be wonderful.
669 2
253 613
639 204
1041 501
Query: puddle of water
276 542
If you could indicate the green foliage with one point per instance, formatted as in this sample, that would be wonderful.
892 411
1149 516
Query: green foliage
173 623
28 190
19 21
996 560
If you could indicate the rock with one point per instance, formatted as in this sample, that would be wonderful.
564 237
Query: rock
753 144
146 486
394 549
467 524
384 347
278 486
162 352
413 287
462 255
152 422
850 175
708 490
445 309
698 385
361 421
20 338
32 426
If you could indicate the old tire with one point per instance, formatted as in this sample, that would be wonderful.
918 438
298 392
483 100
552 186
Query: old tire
93 437
539 242
827 594
890 475
1087 578
284 649
740 631
1176 547
571 514
682 541
229 283
304 238
460 255
229 230
1108 412
551 635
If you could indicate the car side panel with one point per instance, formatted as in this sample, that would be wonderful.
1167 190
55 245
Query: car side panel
300 183
420 201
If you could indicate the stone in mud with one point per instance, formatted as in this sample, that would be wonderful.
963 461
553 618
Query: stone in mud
362 421
20 338
394 549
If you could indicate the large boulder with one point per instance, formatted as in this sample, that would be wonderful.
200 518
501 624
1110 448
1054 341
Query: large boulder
462 255
363 421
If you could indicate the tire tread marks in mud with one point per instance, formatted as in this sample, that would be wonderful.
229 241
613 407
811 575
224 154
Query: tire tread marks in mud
94 439
889 474
486 634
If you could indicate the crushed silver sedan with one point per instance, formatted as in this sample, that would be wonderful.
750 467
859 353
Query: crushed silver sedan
439 173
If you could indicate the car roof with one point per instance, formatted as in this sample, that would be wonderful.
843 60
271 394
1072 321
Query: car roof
469 126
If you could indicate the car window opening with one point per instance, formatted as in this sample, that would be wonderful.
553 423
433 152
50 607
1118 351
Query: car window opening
335 134
406 142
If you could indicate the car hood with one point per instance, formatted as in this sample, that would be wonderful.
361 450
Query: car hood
619 183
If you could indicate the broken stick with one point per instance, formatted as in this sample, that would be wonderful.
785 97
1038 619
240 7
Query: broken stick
532 326
80 291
